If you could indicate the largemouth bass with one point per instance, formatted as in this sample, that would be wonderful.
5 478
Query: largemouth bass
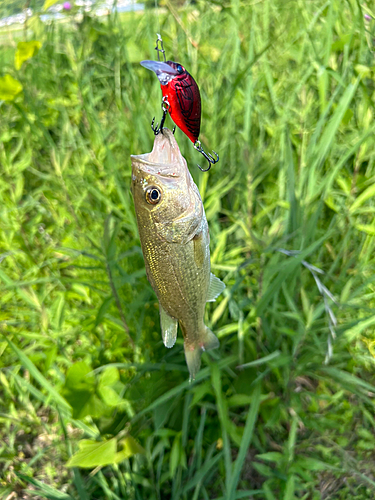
175 243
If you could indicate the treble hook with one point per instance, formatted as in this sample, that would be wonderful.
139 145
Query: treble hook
156 129
211 160
165 106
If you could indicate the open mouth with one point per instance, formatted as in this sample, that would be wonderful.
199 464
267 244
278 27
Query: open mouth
164 159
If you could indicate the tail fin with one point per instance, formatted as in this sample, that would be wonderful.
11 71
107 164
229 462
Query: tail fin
193 352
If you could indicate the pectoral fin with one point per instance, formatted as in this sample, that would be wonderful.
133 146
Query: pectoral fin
215 288
168 328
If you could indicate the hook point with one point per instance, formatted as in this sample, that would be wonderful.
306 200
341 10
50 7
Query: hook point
204 169
211 160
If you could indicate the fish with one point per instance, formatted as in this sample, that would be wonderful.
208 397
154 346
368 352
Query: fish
175 241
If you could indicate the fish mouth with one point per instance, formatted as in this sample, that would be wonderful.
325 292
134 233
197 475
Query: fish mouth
165 159
163 71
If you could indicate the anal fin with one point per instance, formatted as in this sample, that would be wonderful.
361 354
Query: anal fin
168 328
215 288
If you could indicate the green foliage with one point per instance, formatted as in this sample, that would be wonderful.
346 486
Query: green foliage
9 87
94 454
10 7
79 391
86 396
48 3
25 51
284 409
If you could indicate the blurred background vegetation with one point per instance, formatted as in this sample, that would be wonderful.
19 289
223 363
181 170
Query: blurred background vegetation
10 7
92 406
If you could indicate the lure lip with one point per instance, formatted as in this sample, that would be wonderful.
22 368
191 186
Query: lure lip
163 71
159 67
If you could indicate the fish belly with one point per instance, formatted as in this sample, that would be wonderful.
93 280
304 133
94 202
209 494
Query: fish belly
179 282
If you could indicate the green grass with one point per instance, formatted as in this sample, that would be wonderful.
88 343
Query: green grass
284 409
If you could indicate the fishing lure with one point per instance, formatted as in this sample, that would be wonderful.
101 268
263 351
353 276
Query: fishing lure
181 99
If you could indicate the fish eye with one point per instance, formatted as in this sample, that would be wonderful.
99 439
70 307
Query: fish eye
153 195
179 68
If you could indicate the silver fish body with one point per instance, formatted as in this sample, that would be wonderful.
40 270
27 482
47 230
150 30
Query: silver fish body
175 243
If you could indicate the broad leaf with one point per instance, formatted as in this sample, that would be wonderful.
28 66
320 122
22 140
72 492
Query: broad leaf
79 391
25 51
9 88
109 378
94 454
97 454
130 448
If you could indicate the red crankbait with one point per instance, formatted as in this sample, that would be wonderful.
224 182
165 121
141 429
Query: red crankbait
182 100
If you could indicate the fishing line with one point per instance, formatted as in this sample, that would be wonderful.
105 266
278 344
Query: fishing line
157 13
159 39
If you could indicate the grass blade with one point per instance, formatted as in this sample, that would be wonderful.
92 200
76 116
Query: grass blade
29 365
245 443
44 490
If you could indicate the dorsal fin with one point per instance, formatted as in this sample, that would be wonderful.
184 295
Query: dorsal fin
215 288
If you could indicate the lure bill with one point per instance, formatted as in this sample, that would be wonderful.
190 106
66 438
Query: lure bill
175 243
